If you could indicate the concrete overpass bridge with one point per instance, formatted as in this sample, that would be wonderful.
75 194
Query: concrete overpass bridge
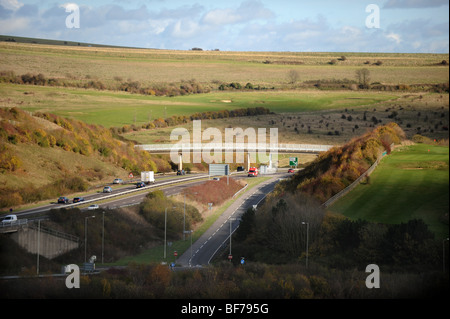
243 148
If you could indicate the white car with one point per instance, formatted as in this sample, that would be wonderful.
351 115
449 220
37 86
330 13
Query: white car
118 181
93 207
107 189
9 219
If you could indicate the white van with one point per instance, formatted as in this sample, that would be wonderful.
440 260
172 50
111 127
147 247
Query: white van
9 219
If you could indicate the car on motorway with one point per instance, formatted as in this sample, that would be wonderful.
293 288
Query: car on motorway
181 172
9 219
240 169
107 189
93 207
252 172
78 199
291 170
63 200
140 184
118 181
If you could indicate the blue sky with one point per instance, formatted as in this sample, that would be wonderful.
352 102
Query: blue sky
418 26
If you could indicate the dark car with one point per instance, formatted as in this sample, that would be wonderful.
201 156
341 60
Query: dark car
291 170
181 172
140 184
63 200
78 199
240 168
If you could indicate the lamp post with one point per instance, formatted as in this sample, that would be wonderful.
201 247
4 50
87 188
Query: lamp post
443 254
38 245
165 232
231 219
189 232
307 238
85 236
103 234
184 218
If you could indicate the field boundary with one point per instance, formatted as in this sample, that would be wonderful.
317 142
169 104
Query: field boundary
350 187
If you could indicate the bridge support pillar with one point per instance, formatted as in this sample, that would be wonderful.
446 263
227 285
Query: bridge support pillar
248 161
180 161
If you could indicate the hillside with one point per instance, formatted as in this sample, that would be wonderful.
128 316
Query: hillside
334 170
419 169
45 156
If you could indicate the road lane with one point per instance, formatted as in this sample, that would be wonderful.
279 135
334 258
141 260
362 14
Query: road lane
102 196
204 249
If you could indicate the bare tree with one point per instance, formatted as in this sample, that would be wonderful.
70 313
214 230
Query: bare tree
363 77
286 223
293 76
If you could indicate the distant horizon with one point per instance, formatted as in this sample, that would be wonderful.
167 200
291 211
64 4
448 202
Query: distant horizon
376 26
100 45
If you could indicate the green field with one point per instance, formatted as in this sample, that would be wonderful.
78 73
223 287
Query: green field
109 108
411 183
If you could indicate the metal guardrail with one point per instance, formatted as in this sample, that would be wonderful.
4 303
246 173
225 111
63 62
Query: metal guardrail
134 191
17 223
250 147
55 233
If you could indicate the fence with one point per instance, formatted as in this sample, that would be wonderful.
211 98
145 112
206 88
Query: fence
356 182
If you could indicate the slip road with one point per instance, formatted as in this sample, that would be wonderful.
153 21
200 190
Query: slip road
204 249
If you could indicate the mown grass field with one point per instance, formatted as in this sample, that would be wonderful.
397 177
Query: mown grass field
411 183
111 108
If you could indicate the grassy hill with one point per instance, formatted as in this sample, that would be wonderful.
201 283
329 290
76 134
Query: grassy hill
412 182
44 156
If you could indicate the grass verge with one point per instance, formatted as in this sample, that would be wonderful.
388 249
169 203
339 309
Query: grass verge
156 253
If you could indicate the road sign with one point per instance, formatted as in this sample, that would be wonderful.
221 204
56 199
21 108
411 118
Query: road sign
130 175
219 169
242 260
230 257
175 253
293 161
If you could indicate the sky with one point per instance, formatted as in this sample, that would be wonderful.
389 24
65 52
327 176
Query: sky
397 26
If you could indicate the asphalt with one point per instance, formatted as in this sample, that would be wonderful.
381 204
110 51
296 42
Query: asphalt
218 235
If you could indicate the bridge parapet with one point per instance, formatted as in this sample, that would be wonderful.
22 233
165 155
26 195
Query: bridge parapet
234 147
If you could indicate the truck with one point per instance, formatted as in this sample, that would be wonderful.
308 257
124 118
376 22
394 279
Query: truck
252 172
148 177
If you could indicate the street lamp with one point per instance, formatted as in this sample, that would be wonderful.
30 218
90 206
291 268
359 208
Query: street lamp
85 235
231 219
189 232
307 235
184 218
443 254
165 232
103 234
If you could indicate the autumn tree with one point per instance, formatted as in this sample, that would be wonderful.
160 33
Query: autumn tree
293 76
363 77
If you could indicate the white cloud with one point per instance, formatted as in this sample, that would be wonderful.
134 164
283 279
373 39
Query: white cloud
246 12
11 4
185 29
11 26
222 17
405 4
394 37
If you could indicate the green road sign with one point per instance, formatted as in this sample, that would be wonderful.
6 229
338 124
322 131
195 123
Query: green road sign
293 161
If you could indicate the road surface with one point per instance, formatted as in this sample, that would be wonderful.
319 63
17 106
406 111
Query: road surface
204 249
